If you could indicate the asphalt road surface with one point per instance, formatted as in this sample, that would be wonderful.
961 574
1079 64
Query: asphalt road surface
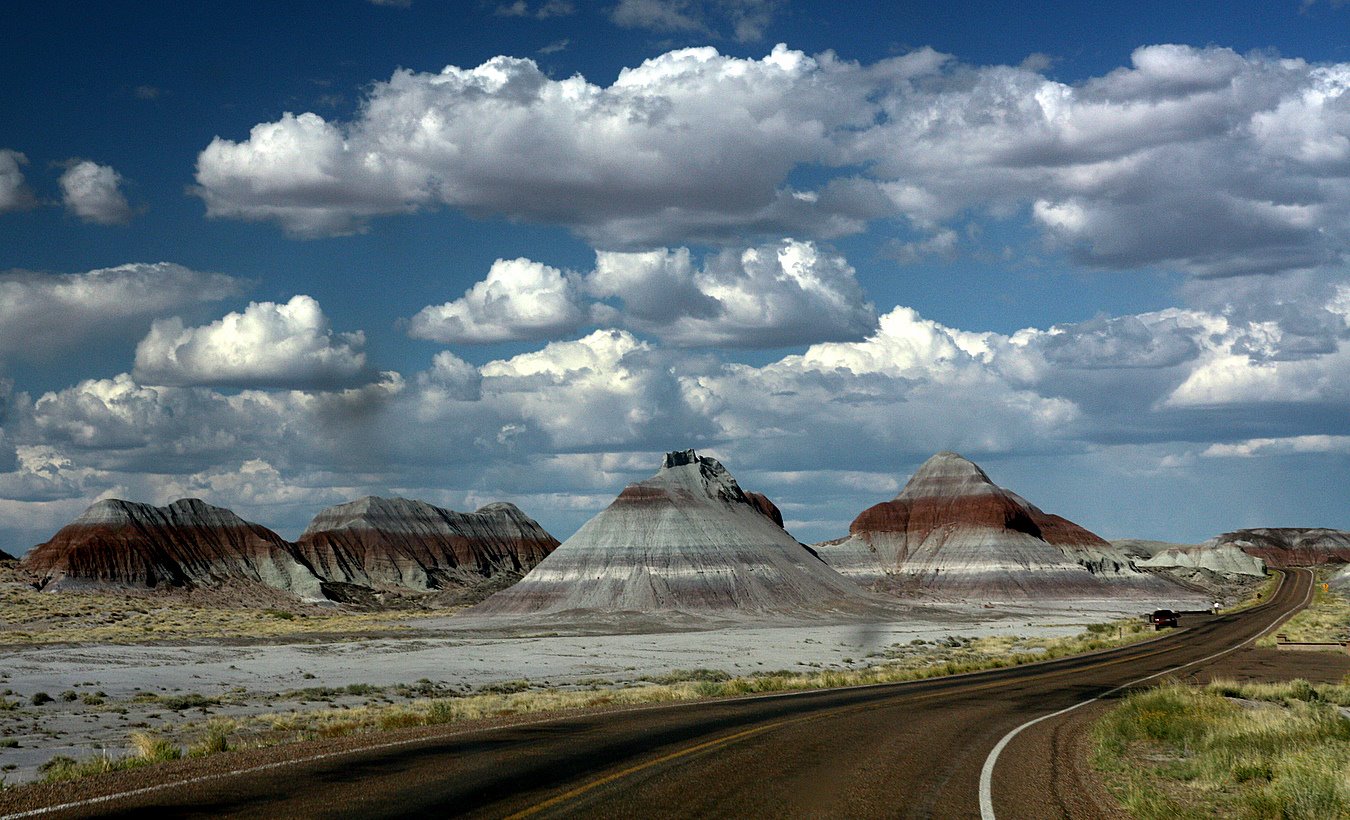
898 750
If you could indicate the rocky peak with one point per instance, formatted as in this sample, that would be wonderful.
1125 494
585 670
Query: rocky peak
110 511
685 472
948 474
678 458
502 508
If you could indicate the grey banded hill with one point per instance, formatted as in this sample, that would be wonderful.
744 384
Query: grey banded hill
401 543
377 543
687 540
953 530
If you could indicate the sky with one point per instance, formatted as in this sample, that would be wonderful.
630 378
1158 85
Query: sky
283 255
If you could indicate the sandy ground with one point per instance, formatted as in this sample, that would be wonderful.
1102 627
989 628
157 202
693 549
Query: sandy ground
460 653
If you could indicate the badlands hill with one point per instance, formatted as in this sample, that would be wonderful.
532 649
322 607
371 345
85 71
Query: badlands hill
951 529
1289 546
189 543
400 543
1222 559
689 539
4 556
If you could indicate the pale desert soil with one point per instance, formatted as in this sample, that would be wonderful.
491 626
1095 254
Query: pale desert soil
138 685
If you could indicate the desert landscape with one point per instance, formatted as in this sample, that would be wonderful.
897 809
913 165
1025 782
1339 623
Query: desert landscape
190 626
675 409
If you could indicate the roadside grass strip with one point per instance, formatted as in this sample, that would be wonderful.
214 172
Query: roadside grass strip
1327 618
1270 750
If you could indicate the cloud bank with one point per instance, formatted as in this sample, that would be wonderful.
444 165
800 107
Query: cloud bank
41 314
566 423
1198 159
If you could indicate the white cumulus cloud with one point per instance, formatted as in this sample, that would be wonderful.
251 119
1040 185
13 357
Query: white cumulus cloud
1196 159
93 192
688 143
15 194
774 295
41 314
265 345
519 299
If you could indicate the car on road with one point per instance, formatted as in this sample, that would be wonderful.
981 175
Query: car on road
1162 618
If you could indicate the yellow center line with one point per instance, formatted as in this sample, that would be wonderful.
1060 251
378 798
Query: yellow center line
619 775
746 733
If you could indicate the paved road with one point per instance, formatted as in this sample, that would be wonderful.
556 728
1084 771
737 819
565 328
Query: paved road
901 750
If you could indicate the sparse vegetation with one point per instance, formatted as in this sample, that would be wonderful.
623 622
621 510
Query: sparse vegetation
215 740
1327 618
1257 596
40 698
330 692
148 749
28 616
435 703
1177 752
176 703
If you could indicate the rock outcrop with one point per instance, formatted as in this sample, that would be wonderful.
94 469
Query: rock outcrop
1224 559
1289 546
189 543
401 543
951 529
687 540
4 556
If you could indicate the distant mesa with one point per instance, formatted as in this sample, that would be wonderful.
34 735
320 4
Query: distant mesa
189 543
951 529
1289 546
686 540
1222 559
401 543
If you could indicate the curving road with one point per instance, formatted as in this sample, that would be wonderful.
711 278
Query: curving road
897 750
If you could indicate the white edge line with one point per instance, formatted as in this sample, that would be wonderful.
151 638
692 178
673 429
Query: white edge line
108 798
987 771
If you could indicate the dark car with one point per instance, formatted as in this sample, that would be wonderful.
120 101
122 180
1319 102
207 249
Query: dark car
1162 617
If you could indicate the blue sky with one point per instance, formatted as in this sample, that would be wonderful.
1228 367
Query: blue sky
279 255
